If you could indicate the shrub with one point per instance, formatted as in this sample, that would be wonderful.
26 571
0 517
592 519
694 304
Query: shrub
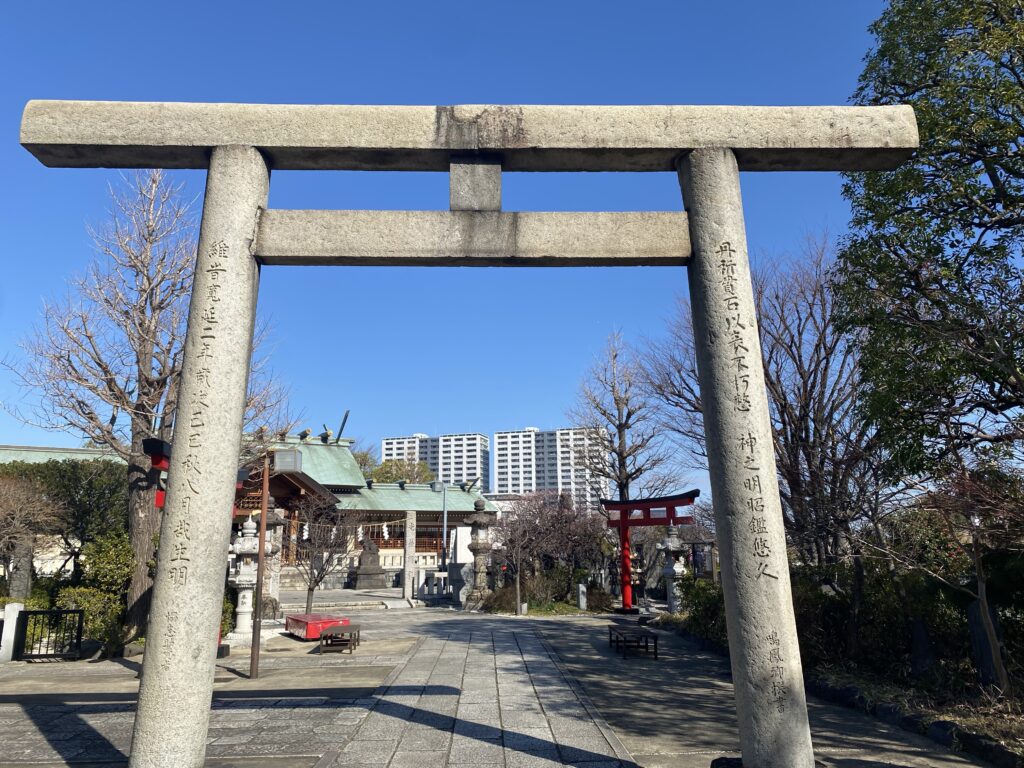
45 589
227 612
704 608
102 614
598 599
32 604
821 618
502 600
109 562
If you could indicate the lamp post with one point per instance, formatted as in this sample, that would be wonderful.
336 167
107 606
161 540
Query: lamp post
257 613
442 486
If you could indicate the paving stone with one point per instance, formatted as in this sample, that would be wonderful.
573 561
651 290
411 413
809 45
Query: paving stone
478 696
367 753
476 752
418 759
586 751
420 741
436 719
240 738
335 728
331 739
518 720
516 759
478 730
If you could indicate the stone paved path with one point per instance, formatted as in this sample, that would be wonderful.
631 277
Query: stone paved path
466 691
435 688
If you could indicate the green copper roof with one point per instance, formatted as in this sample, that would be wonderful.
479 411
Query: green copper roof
391 498
330 464
33 454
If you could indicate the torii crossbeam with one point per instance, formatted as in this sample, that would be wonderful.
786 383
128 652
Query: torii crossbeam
240 144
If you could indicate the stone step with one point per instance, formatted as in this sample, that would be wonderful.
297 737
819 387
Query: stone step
319 605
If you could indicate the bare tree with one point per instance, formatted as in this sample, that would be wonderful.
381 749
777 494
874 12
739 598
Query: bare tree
106 360
576 538
627 448
547 529
326 535
25 513
521 535
366 458
827 455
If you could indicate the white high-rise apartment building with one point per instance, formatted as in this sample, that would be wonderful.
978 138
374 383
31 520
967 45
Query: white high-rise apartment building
529 460
453 459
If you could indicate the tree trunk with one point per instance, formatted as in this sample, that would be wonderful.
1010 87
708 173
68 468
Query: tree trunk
519 602
994 649
19 579
143 529
309 599
921 657
856 601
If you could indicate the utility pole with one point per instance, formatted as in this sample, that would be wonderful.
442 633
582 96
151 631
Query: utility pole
257 613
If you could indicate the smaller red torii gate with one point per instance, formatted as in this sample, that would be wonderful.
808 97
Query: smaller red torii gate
623 515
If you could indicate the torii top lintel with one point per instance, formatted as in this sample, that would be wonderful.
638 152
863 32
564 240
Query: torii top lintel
86 134
662 510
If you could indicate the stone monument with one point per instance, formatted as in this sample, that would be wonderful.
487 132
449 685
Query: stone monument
480 545
369 574
238 143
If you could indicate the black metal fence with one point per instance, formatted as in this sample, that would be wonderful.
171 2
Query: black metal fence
48 635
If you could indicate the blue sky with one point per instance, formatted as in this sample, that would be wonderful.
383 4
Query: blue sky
417 349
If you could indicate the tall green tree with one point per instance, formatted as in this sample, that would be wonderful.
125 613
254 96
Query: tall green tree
931 274
90 499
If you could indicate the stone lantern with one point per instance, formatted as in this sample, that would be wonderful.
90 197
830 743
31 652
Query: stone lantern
675 566
246 547
480 545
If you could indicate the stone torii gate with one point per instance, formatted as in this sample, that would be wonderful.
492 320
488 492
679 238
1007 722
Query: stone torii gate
239 144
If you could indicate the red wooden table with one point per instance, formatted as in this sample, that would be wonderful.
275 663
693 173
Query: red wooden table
307 626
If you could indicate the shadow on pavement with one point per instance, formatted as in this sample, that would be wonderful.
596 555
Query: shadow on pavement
59 718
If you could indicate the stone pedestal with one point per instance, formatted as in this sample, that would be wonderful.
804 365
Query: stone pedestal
480 545
184 621
369 574
764 652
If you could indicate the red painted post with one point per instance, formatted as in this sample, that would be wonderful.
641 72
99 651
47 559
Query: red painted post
626 571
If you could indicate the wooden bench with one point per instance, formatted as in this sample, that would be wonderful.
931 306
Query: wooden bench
622 638
340 638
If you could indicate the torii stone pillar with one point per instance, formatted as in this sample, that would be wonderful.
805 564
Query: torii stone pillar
184 621
763 648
